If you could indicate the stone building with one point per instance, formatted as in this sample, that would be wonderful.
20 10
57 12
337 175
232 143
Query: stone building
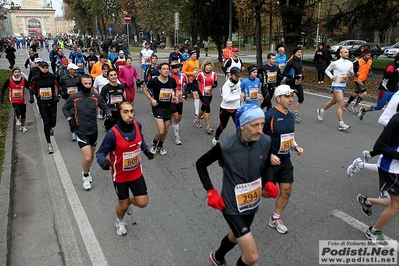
33 17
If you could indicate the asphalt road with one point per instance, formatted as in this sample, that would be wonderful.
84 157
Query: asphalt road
177 227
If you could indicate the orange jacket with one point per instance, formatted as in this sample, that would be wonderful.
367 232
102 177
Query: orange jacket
96 70
363 69
191 68
227 52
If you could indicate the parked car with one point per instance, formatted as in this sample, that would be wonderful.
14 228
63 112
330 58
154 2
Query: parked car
355 51
392 52
346 44
388 47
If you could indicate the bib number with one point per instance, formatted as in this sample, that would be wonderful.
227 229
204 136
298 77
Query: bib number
72 90
344 78
272 77
131 160
165 95
281 66
286 142
298 80
208 90
116 99
253 93
248 195
45 93
17 93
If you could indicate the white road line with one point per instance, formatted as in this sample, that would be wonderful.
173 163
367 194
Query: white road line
354 222
92 245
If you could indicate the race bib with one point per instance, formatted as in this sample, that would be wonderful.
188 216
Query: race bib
17 93
253 93
298 80
131 160
281 66
271 77
179 94
114 99
45 93
80 65
165 95
72 90
91 63
208 90
286 142
344 78
248 195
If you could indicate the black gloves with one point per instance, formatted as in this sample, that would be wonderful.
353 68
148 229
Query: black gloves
139 83
110 118
106 165
56 99
149 155
31 100
297 77
72 124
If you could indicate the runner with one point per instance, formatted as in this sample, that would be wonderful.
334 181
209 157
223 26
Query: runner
91 59
251 178
97 67
161 91
126 76
270 77
280 126
123 143
250 87
120 61
191 68
145 58
16 92
83 105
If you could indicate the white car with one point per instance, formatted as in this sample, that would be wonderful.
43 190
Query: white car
392 52
346 44
388 47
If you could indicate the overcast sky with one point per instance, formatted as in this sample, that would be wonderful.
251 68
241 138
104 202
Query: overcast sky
56 6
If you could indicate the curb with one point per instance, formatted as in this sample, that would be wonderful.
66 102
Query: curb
6 192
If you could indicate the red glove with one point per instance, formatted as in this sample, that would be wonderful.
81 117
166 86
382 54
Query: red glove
215 200
271 189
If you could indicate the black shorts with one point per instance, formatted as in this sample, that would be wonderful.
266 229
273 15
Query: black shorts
138 188
20 109
177 108
239 224
84 140
389 182
192 87
283 173
360 87
162 112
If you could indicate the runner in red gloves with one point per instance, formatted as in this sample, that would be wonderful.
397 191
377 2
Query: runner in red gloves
244 182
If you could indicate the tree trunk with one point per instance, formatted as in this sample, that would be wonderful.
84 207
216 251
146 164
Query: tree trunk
258 32
169 41
291 22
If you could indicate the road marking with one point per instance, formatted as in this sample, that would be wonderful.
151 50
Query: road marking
354 222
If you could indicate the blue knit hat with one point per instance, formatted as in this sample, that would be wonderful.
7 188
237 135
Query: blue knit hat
248 113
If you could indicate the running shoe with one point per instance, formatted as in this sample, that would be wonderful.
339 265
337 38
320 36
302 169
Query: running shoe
24 129
354 109
366 155
17 121
197 123
161 150
89 177
362 113
366 208
177 140
278 224
153 149
346 108
354 167
130 209
73 137
214 141
100 116
216 262
86 183
375 237
343 126
120 228
384 195
320 114
202 116
51 132
297 118
209 130
50 148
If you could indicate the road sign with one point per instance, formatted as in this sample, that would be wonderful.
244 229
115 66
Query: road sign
128 18
109 29
150 32
98 32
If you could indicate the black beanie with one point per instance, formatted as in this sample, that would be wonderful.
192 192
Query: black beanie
296 49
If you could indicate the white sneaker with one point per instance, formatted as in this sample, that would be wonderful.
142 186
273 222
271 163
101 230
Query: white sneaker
366 155
343 126
73 137
89 177
23 129
50 148
320 114
354 167
177 140
120 228
153 149
214 141
278 224
100 116
86 184
161 150
17 122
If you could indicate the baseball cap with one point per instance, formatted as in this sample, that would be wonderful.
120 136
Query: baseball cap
236 71
38 60
64 60
43 63
283 90
72 66
235 50
175 63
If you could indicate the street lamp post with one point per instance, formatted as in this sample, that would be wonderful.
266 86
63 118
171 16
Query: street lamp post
318 26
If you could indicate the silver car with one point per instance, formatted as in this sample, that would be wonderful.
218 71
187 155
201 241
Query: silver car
392 52
346 44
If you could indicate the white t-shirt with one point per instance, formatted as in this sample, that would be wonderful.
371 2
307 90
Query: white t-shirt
390 110
146 56
231 95
343 69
